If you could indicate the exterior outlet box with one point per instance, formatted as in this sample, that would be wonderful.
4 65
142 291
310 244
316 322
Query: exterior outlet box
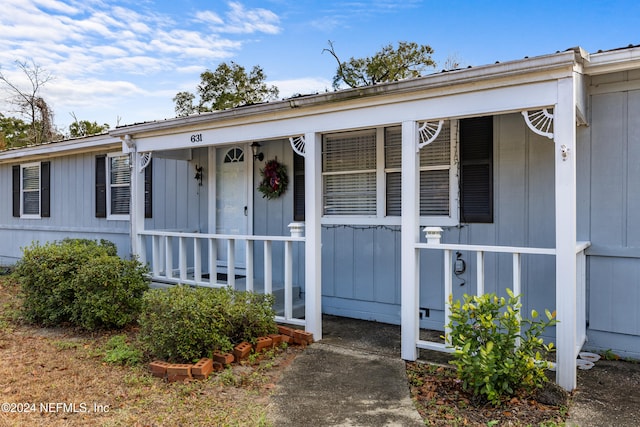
424 313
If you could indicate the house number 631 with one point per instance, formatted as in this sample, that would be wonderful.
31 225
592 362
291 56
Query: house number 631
196 137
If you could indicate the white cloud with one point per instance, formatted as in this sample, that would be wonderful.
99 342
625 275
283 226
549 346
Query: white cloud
248 21
105 55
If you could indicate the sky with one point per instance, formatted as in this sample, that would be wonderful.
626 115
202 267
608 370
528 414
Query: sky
122 61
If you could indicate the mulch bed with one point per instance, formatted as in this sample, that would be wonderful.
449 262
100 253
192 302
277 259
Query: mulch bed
442 401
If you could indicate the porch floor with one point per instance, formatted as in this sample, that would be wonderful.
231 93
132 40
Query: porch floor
375 338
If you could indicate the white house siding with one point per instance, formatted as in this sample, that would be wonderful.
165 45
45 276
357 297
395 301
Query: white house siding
613 220
72 210
361 265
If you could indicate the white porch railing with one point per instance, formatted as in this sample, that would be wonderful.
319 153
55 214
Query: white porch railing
191 270
516 286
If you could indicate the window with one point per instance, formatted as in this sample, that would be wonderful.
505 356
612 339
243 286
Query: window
31 193
436 164
361 173
113 187
234 155
118 190
349 167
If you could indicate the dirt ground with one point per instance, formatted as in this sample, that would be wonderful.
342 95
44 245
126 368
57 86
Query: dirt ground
55 365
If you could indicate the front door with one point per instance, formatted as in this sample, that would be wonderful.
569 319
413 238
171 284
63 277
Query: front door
231 200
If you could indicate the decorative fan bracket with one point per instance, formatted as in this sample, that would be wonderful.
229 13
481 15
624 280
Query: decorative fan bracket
298 144
540 121
145 159
428 132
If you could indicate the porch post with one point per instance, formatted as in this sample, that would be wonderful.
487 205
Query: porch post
136 207
565 200
410 235
313 230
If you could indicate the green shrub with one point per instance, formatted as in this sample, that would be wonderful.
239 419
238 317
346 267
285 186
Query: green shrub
79 281
108 292
119 351
484 333
184 324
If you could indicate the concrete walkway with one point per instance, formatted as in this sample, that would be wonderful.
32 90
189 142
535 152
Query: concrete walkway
354 377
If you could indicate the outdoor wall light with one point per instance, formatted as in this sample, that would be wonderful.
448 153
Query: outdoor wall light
256 155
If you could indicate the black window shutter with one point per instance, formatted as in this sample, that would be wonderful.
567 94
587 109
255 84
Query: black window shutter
298 187
101 186
45 189
148 190
16 191
476 170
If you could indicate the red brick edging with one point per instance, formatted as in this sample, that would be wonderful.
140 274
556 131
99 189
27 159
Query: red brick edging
201 370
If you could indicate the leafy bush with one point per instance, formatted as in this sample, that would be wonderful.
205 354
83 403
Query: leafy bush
108 292
79 281
184 324
484 333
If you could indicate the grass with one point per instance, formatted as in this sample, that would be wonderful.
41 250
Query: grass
102 383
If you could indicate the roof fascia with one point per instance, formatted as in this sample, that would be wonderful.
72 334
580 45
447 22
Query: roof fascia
508 73
613 61
82 145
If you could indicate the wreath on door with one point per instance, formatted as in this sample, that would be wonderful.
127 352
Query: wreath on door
274 179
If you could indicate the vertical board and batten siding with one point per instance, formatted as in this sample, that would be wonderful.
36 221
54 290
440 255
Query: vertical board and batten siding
613 221
361 272
272 218
361 265
72 210
179 203
524 211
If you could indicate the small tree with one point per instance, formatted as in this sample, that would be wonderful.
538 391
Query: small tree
31 104
229 86
388 65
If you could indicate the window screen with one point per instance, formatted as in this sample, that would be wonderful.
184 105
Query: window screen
435 168
349 173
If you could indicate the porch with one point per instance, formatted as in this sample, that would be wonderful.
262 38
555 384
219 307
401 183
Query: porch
548 91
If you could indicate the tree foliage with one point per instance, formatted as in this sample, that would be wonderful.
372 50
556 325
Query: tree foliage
14 132
388 65
81 128
30 104
229 86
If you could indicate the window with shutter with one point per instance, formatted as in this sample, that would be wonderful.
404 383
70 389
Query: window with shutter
113 187
476 170
31 193
349 173
30 182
